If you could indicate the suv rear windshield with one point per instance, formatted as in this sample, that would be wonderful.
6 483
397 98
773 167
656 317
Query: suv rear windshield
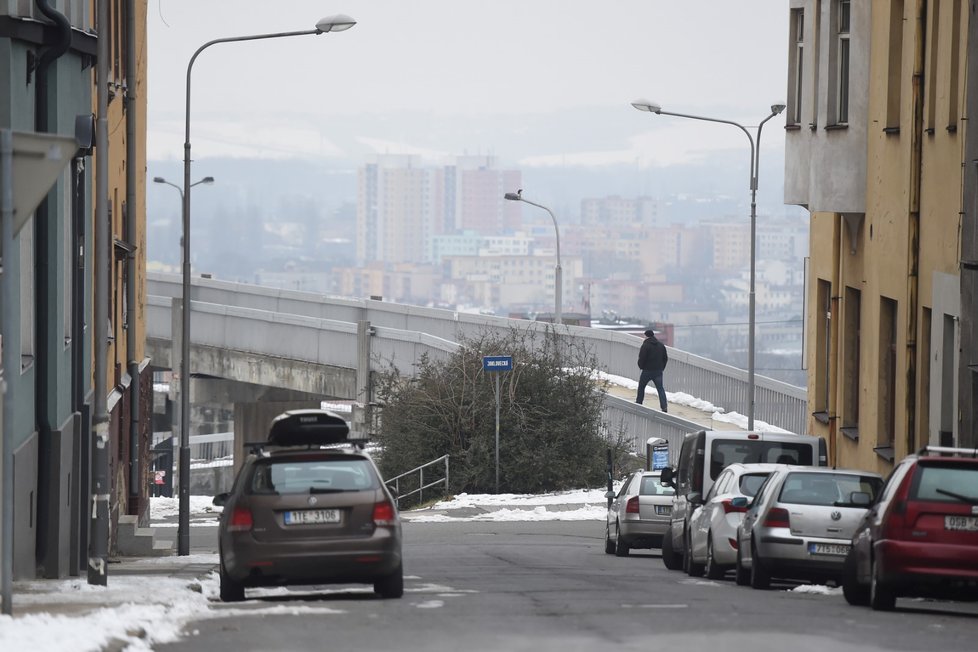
311 476
733 451
946 483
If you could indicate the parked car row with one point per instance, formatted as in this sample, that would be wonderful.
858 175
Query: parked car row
766 507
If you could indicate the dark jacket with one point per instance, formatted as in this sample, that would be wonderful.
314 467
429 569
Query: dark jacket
652 356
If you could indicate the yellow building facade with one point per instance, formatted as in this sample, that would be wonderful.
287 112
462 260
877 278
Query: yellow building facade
883 286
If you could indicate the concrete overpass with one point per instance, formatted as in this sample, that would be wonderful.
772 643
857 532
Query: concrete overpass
267 349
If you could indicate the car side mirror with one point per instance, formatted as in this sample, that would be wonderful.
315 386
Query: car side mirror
221 499
740 502
666 476
695 498
860 499
609 494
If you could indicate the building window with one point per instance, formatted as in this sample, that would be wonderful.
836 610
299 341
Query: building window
932 44
796 78
955 80
823 350
842 88
894 79
850 363
886 385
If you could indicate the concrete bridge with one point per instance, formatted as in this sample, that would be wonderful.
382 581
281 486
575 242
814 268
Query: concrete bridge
267 349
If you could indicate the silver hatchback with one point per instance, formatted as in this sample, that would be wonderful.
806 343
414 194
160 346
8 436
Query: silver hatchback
800 524
639 514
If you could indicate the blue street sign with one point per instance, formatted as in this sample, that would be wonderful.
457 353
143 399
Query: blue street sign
497 363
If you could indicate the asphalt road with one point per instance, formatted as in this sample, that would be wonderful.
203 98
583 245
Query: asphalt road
550 586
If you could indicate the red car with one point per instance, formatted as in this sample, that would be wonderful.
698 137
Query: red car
920 538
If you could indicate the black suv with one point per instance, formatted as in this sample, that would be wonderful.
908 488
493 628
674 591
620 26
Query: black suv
309 507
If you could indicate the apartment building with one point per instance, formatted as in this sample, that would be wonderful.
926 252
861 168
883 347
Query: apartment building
874 151
403 205
968 367
619 212
48 84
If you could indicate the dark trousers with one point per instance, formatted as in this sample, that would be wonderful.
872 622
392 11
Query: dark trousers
654 377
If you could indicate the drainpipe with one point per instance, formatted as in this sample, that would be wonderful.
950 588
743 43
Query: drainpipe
98 546
48 465
135 485
913 222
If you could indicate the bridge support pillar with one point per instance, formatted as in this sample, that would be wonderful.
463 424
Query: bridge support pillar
252 420
363 413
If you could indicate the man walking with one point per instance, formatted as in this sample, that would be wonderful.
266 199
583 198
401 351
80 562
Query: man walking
652 360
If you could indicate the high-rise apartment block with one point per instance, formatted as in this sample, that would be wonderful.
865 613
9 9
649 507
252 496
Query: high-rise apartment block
402 205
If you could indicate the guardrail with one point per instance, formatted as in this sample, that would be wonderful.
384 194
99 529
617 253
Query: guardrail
421 484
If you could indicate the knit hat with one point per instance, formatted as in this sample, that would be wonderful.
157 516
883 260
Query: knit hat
650 333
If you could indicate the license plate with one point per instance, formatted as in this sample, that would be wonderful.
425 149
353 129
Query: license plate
312 516
968 523
828 549
663 510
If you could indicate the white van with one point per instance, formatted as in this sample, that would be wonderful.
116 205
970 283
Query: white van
705 454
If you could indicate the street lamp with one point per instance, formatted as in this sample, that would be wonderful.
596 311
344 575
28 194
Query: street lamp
337 23
518 196
205 180
755 145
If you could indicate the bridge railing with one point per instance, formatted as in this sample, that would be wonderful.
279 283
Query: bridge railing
776 403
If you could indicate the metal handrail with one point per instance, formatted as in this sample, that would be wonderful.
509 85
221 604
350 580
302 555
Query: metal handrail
421 485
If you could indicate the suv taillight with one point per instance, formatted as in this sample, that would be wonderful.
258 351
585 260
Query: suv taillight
729 508
631 507
240 520
384 514
777 517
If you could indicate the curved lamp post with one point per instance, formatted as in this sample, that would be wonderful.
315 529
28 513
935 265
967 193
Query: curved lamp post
558 281
337 23
205 180
755 144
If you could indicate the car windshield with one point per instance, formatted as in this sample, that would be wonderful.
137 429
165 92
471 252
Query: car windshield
311 476
946 483
751 482
826 489
652 487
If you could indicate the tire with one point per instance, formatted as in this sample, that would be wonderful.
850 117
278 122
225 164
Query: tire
881 598
855 593
691 567
670 559
391 586
759 577
621 548
609 545
742 575
712 569
231 591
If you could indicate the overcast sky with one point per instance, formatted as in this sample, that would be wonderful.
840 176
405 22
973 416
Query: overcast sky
481 61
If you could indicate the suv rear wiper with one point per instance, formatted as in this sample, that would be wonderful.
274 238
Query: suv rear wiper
961 497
